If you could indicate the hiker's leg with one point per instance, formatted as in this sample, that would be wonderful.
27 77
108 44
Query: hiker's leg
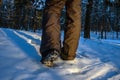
72 29
51 26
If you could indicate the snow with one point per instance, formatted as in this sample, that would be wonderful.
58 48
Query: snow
20 59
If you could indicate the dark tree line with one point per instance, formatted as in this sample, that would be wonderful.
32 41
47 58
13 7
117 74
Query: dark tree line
98 16
21 14
102 16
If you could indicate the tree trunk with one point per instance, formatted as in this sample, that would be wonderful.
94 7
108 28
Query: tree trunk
87 19
0 12
101 33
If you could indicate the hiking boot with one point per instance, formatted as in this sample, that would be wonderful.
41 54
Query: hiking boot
50 58
66 57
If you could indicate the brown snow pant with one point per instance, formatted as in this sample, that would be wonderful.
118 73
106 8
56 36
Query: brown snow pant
51 27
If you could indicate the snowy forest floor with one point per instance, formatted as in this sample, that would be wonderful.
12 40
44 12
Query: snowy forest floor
20 59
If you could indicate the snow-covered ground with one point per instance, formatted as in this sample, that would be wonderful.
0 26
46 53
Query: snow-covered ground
20 59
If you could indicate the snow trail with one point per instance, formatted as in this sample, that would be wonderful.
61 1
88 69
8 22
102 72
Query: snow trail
20 59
